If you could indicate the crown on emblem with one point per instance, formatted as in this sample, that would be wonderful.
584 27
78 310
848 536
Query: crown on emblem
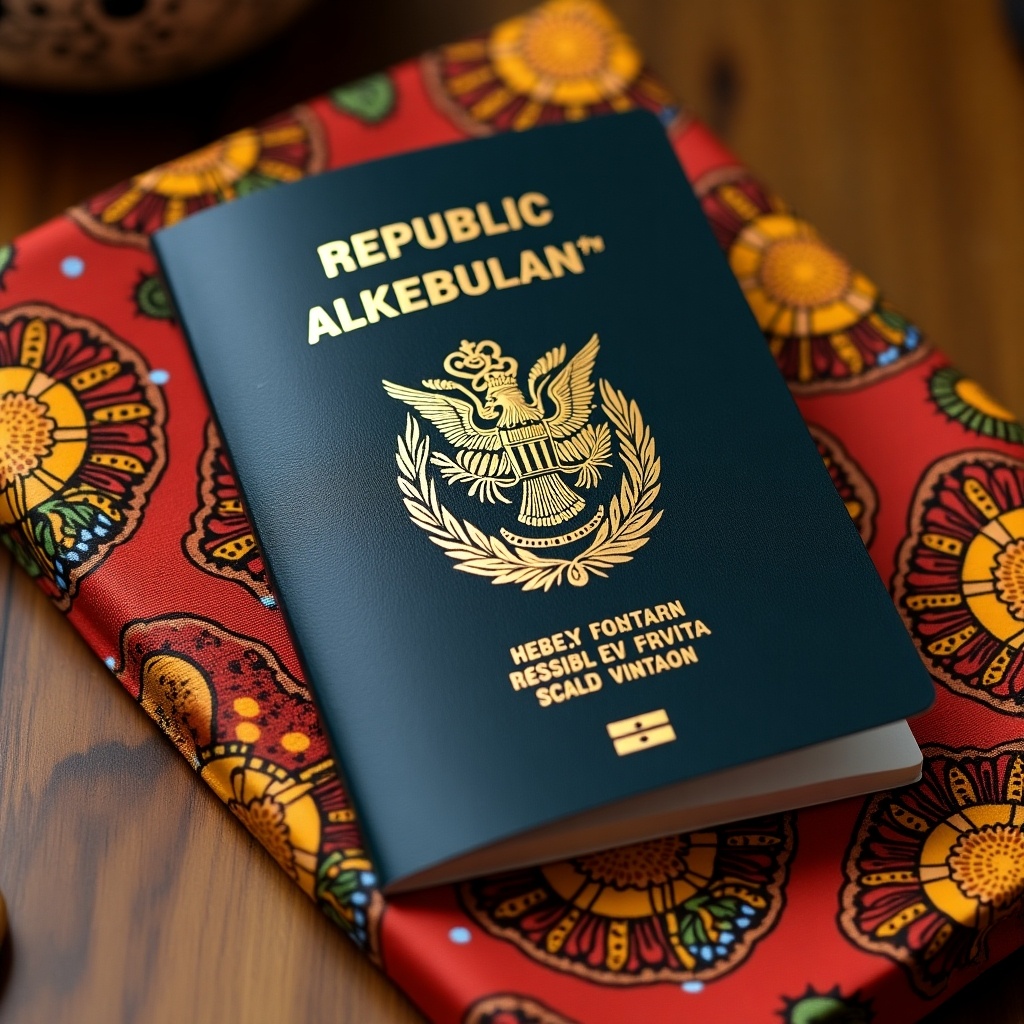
482 363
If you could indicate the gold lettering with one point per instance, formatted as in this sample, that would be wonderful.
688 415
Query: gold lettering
366 246
333 255
614 651
483 211
531 266
345 317
515 222
562 259
440 286
462 224
320 323
394 236
498 275
480 285
440 233
374 304
408 293
534 208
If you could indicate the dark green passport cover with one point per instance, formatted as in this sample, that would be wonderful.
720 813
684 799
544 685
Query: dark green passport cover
506 562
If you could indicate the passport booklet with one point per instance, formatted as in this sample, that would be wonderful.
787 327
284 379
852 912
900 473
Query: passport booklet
564 566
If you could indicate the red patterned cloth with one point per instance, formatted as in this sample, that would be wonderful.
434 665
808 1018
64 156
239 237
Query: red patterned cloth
115 494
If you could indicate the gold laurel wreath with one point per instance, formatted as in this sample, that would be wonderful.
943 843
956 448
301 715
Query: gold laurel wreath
625 529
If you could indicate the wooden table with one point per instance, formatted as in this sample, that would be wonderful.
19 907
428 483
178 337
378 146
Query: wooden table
897 127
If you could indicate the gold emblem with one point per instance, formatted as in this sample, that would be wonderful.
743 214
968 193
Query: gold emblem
507 441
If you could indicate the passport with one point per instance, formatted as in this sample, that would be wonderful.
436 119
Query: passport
564 567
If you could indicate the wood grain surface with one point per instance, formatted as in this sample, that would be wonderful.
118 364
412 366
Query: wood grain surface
897 127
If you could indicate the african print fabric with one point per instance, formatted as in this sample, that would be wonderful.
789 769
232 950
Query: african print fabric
117 496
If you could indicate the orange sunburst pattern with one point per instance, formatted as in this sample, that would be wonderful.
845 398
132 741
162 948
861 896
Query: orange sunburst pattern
283 149
681 908
827 325
249 728
960 576
81 443
935 866
563 61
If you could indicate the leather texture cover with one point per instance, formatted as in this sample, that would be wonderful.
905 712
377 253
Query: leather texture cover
510 390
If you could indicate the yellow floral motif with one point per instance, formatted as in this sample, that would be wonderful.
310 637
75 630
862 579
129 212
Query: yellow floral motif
992 573
972 863
274 805
570 53
960 576
796 284
632 881
283 149
827 325
562 61
43 439
936 865
81 443
680 908
248 726
988 865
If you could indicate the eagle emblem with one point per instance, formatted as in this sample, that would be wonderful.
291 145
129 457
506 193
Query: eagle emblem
540 442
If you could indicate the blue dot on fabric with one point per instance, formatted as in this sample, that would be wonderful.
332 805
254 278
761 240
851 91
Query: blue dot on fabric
110 663
159 376
460 936
692 986
72 266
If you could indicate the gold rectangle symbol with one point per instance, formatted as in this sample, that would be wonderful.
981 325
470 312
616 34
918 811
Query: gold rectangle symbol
651 729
